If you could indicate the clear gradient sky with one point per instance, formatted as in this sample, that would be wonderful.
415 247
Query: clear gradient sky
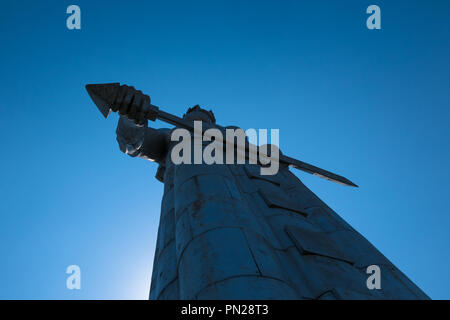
372 105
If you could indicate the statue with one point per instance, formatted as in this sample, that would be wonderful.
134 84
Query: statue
229 232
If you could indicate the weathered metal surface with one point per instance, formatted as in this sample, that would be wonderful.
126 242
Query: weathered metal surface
228 233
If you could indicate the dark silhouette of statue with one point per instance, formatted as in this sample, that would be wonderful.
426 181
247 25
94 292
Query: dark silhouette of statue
228 232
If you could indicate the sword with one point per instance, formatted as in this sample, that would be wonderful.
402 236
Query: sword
110 96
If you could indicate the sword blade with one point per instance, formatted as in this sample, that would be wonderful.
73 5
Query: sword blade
321 173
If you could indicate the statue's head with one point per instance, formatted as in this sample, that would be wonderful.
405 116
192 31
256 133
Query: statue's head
197 113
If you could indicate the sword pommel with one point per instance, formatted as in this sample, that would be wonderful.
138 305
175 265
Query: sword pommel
124 99
103 96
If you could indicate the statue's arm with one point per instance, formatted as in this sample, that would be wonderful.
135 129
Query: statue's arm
142 141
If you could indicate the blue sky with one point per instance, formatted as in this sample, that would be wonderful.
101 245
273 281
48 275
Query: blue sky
372 105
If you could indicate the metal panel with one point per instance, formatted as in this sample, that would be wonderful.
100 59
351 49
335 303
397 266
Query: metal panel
316 242
282 201
253 173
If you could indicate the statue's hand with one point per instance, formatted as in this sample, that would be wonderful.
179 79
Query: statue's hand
130 136
133 104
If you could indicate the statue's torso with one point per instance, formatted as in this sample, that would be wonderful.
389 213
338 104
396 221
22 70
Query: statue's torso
226 232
